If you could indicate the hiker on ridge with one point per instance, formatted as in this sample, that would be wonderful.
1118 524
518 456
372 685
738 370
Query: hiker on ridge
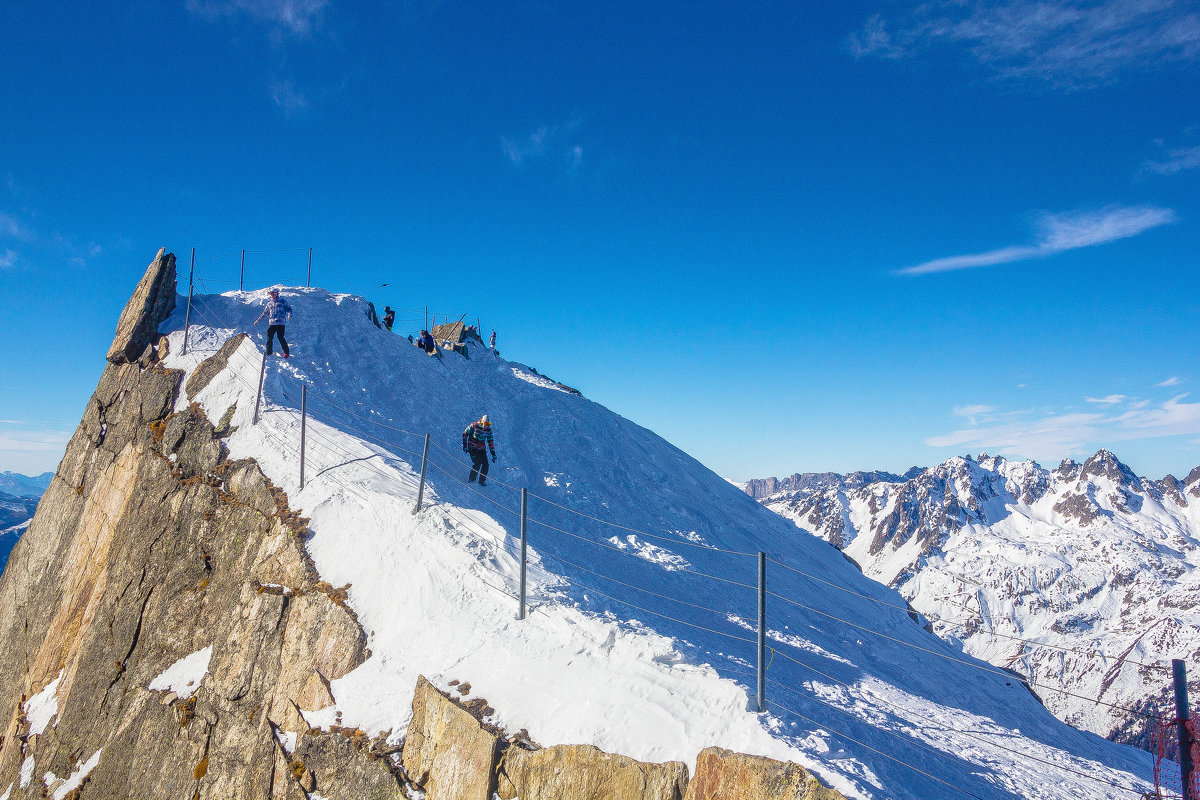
492 339
389 317
426 342
278 312
477 436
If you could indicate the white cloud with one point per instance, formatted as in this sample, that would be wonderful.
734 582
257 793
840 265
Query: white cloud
1069 43
297 17
1049 437
287 97
1058 233
548 141
1178 159
1174 380
32 452
8 259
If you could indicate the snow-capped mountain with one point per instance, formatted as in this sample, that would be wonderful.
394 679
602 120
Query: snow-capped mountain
1082 578
642 635
18 500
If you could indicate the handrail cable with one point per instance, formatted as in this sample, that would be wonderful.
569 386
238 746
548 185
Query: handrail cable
585 587
635 555
549 554
976 666
958 789
969 734
648 535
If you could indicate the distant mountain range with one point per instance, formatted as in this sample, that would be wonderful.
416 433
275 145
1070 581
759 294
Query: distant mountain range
19 495
1083 578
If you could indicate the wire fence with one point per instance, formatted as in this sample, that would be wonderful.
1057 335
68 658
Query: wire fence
330 455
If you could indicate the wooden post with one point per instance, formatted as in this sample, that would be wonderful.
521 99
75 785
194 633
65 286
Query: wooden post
421 485
524 516
262 376
1186 767
762 629
310 266
242 274
303 421
187 317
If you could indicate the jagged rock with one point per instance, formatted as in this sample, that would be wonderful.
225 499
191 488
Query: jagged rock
207 369
584 772
338 767
152 302
726 775
448 753
149 546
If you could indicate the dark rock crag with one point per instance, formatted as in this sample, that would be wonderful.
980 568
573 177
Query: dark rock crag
149 545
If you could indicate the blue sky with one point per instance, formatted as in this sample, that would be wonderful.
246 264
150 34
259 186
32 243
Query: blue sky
785 238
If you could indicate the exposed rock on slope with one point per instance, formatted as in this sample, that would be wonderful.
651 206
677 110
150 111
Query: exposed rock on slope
1083 578
152 550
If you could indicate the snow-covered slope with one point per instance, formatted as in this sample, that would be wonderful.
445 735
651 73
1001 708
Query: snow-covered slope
1083 578
641 638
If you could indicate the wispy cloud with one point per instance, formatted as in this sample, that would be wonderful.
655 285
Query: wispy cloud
32 451
8 258
1052 435
12 228
1174 380
296 17
286 96
1177 160
1058 233
554 142
1070 43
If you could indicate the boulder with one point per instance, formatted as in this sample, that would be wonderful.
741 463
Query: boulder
448 753
152 302
584 772
726 775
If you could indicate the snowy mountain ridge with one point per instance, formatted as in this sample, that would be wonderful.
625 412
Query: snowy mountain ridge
1082 578
640 639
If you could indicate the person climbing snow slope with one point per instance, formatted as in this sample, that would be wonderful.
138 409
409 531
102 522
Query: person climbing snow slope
278 312
476 437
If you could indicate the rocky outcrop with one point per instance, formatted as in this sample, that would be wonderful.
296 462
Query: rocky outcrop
449 753
725 775
152 549
152 302
584 772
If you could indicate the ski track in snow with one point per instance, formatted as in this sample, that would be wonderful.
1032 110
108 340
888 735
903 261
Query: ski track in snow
432 590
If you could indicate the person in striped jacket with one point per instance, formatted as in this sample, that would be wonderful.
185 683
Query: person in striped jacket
476 437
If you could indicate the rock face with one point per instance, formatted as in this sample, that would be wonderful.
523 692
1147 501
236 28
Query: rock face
152 302
1083 577
448 753
725 775
583 772
151 549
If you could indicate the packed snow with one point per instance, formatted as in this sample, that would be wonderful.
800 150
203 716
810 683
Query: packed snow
26 776
624 647
43 707
184 676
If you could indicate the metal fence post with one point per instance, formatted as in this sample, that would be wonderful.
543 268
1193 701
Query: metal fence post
262 376
1179 672
762 628
303 421
310 266
524 516
187 317
421 485
242 274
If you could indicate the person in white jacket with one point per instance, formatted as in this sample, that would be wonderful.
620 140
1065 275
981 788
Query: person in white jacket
278 312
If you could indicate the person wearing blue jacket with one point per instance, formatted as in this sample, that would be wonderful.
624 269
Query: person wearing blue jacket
278 312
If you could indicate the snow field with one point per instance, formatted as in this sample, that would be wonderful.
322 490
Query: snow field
873 717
